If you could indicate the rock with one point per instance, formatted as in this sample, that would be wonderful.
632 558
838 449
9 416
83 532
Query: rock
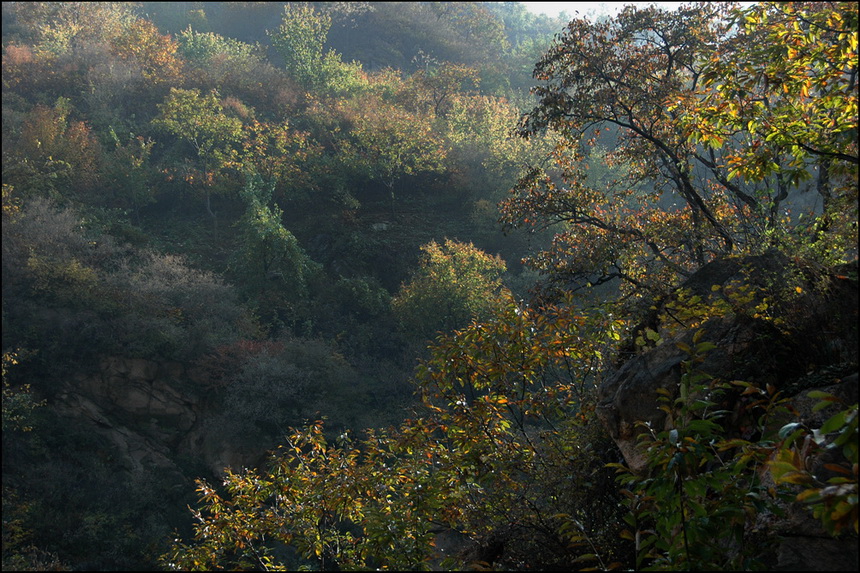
630 397
816 554
805 338
136 452
811 329
152 413
135 404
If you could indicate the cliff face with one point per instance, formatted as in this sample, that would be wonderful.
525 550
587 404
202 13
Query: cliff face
797 331
151 412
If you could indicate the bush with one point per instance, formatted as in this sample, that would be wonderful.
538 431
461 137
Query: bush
455 283
276 385
77 295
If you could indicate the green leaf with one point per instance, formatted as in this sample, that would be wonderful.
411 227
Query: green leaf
834 422
703 347
821 395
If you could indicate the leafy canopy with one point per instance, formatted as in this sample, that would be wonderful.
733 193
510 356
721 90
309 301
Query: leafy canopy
494 446
709 144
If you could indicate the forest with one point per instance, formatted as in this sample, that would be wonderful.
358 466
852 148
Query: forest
429 286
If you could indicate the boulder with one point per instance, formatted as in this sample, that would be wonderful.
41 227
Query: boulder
797 332
800 321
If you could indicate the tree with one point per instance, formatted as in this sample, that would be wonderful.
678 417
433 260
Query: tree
455 283
85 49
615 76
130 173
387 142
54 155
18 402
315 493
200 120
300 40
19 406
795 90
279 153
269 253
438 83
200 48
237 69
483 149
495 455
779 98
472 32
634 82
57 28
154 53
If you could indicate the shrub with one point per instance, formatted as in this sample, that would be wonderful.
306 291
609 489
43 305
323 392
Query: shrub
75 294
276 385
454 283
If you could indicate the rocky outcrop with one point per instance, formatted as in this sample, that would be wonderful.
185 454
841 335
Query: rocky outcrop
797 331
807 327
133 403
151 412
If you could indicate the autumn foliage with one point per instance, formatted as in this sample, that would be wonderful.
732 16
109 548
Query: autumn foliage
283 209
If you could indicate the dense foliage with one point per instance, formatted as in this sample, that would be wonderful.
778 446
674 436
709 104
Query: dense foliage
655 84
270 213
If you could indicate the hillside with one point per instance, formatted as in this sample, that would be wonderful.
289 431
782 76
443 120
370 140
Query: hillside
376 271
